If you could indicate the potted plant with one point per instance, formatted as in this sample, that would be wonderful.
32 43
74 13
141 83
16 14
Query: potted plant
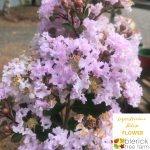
144 56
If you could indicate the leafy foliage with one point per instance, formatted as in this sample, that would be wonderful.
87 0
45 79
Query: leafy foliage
41 134
72 124
16 137
89 107
68 27
57 108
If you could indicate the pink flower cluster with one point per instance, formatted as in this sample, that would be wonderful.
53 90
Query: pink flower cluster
102 60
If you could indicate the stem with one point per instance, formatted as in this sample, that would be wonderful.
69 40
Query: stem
61 115
11 118
63 16
75 32
67 113
10 115
113 14
72 20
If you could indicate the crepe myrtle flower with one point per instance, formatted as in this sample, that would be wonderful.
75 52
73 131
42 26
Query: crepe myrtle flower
64 95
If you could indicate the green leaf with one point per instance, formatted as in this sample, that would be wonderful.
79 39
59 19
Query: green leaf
56 120
80 30
57 108
68 27
72 124
116 146
41 134
16 138
86 13
89 107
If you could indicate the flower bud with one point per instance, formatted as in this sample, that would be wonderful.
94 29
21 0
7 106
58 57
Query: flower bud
7 129
79 3
5 111
129 33
65 3
122 27
132 25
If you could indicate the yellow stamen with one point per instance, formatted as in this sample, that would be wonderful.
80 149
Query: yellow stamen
99 133
90 121
74 62
31 123
81 130
94 84
106 115
16 80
